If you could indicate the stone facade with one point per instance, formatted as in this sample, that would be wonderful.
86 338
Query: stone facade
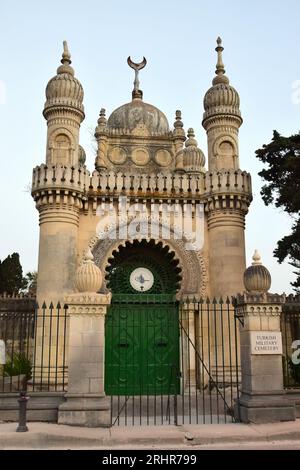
141 160
140 157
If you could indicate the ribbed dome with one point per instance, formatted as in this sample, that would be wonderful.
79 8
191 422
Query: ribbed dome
221 98
193 157
137 113
64 89
257 278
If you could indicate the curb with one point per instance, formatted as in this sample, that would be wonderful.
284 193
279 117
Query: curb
65 437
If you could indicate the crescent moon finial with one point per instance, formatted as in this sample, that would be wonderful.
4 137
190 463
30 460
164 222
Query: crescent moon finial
137 66
137 93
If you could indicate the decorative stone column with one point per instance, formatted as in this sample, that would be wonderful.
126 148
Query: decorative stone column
86 404
263 398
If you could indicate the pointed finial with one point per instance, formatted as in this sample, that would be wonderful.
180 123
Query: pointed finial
66 56
191 138
102 117
256 258
178 124
88 255
137 93
220 70
219 49
66 61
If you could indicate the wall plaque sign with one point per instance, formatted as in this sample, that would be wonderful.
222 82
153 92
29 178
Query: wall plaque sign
266 342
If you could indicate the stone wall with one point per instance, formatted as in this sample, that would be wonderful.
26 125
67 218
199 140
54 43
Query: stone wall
18 303
13 311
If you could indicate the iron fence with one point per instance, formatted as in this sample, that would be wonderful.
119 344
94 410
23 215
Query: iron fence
174 363
35 349
290 328
204 375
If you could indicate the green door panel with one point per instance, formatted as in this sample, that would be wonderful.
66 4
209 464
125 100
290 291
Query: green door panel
142 349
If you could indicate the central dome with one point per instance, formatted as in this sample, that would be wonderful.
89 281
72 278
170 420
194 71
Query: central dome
139 114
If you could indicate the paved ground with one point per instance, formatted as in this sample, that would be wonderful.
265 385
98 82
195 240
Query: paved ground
188 437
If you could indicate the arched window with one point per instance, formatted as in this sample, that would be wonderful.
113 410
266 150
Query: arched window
62 149
226 156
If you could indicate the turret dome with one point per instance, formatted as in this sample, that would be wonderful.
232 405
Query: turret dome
64 89
193 157
221 98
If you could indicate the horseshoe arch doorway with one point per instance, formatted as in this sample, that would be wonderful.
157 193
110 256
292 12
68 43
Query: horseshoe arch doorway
142 322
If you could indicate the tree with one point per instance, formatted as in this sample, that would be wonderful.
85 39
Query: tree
31 282
282 188
11 275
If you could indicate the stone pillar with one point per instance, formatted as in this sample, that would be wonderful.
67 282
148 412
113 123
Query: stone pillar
263 398
101 162
57 251
86 404
227 258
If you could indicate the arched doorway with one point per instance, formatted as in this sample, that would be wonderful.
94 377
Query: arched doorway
142 325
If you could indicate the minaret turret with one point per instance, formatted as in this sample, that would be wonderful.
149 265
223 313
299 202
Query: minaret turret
64 113
228 188
222 119
59 186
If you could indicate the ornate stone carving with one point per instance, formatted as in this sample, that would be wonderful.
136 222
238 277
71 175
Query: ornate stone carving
88 275
88 304
117 155
257 278
194 271
163 157
140 156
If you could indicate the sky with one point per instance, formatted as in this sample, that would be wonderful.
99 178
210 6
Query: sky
261 56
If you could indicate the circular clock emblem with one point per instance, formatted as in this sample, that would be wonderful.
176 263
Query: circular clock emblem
141 279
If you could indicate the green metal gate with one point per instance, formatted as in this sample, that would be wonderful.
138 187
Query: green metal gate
166 361
142 323
142 346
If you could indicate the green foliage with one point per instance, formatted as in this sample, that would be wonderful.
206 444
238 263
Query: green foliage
294 371
31 282
11 275
282 188
19 364
289 246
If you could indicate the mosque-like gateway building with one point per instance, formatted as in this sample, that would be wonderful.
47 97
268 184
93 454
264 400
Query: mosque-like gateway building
148 169
142 157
